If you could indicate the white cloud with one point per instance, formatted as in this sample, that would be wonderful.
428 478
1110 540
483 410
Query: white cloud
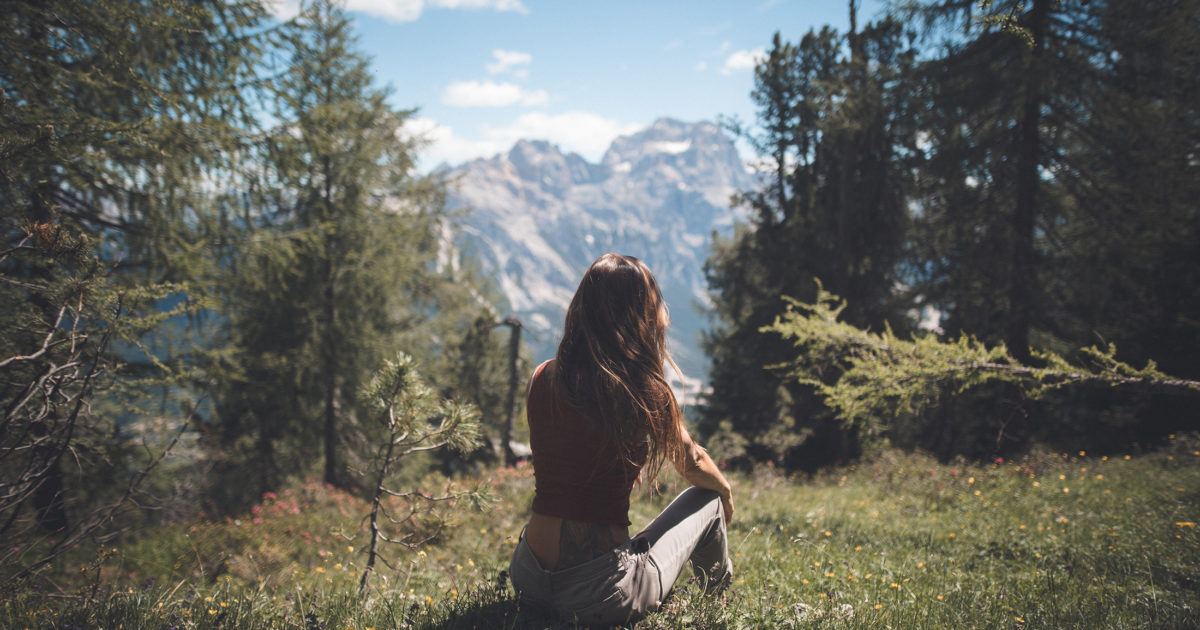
503 6
442 144
743 60
583 132
283 9
403 10
701 66
510 61
491 94
394 10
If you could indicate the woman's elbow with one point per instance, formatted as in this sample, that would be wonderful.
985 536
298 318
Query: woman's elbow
694 458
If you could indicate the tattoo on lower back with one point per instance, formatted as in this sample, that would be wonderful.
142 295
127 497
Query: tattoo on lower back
579 542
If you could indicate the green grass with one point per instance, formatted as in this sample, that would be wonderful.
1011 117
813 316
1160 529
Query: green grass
1053 540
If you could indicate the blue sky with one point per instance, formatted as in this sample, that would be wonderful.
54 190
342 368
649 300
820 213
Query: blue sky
485 73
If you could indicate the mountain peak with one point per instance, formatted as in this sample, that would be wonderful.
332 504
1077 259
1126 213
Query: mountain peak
544 163
699 147
535 147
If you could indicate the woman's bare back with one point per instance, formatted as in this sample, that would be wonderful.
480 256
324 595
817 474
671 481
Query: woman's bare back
560 543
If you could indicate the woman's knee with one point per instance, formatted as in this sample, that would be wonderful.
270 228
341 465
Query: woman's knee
701 496
699 493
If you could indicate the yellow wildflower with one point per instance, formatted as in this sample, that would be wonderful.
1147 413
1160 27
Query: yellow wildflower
894 585
941 598
878 606
1066 490
970 481
1187 524
828 533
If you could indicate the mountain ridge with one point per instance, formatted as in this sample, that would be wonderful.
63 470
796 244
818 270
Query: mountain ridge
537 216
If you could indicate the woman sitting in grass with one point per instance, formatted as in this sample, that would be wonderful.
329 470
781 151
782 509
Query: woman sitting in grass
600 414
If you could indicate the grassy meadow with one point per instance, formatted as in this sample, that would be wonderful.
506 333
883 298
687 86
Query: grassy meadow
1050 540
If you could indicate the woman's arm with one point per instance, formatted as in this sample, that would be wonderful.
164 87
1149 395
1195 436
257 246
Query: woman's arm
695 465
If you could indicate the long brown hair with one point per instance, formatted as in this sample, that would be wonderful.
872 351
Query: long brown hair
611 361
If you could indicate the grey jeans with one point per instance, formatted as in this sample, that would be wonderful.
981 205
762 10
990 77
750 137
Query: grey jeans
633 579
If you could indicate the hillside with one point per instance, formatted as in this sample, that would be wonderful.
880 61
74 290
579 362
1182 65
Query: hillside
1052 540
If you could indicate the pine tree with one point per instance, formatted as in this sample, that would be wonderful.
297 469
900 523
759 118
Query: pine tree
112 113
834 137
1057 138
341 268
1128 237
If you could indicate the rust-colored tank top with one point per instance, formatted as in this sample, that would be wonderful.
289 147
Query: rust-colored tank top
577 472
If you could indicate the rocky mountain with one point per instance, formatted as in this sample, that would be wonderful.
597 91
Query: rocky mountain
537 217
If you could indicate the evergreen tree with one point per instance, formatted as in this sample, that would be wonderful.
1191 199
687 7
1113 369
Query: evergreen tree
1059 142
835 136
1125 245
345 262
112 113
986 144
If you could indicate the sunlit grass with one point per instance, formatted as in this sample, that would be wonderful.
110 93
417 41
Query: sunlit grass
1052 540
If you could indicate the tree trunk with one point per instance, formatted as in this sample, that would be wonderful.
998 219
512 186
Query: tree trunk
330 350
514 347
266 454
1021 280
376 499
